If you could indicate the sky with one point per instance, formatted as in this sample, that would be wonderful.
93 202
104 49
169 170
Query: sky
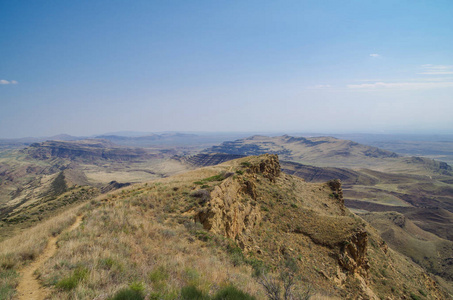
90 67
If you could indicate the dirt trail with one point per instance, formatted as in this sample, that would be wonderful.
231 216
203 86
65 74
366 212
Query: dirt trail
29 287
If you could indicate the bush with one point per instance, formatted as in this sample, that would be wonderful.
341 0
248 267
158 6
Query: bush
137 286
415 297
203 195
259 267
72 281
191 276
158 275
236 254
7 283
128 294
134 292
192 293
232 293
422 292
107 263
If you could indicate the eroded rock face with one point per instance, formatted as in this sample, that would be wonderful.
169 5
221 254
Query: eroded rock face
232 209
269 167
337 191
353 254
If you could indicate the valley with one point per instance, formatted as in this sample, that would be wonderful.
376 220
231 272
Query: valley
408 201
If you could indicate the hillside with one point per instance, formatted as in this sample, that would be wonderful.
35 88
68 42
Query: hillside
319 151
43 180
425 200
370 190
370 175
426 249
86 150
251 220
332 152
45 177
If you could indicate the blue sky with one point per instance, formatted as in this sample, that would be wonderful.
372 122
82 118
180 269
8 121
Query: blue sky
88 67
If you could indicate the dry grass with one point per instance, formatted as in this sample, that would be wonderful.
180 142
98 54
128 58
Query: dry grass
144 236
26 246
122 242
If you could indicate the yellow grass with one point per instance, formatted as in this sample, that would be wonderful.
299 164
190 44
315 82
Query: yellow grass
27 245
120 243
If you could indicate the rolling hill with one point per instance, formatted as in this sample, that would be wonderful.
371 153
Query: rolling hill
242 225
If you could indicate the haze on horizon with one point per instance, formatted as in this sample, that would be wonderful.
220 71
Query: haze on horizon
90 67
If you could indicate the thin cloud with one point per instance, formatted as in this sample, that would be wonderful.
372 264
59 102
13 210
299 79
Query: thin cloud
375 55
437 70
3 81
319 87
400 85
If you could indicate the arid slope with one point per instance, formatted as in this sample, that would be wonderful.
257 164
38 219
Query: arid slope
251 219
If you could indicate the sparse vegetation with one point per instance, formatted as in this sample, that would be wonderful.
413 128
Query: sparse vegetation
218 177
69 283
230 292
415 297
192 293
21 249
135 291
8 279
144 235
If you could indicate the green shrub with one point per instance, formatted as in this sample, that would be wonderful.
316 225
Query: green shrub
155 296
72 281
259 267
203 235
137 286
192 293
128 294
158 274
232 293
236 254
218 177
7 283
291 265
415 297
107 263
191 275
158 277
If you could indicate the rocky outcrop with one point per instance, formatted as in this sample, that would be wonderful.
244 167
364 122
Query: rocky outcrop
337 192
353 254
233 210
268 166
